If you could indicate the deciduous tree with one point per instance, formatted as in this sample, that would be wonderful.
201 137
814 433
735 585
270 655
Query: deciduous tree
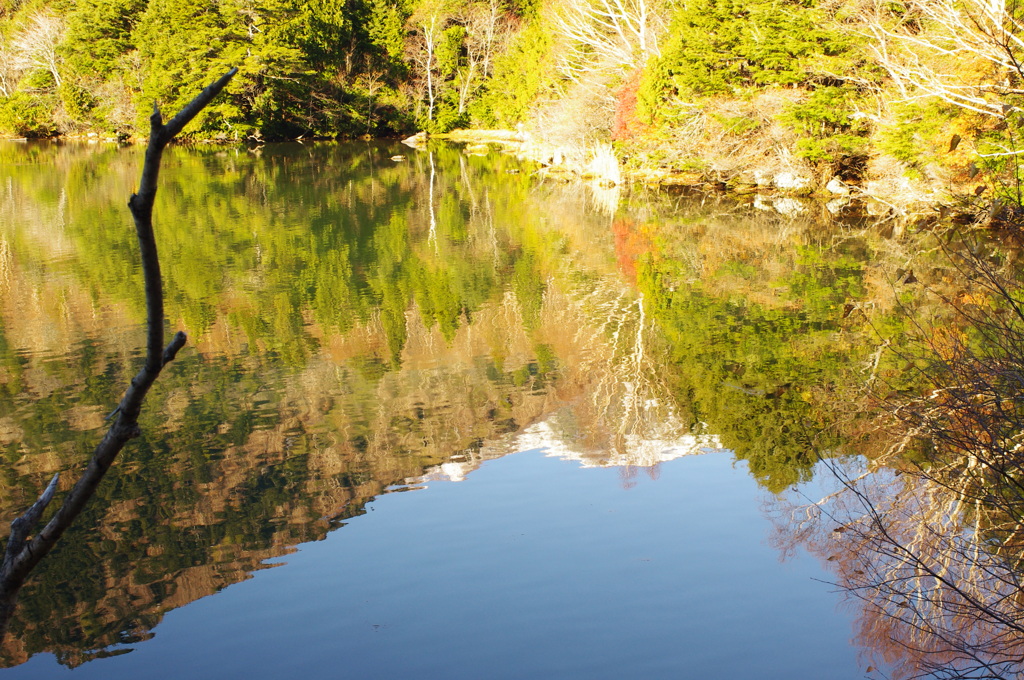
36 46
620 34
965 52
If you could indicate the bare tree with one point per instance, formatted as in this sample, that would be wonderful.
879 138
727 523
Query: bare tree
936 600
23 553
8 71
928 46
428 29
631 412
35 47
488 28
934 545
373 80
600 34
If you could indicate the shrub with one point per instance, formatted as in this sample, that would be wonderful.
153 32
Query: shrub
831 133
912 139
26 115
78 102
737 125
627 124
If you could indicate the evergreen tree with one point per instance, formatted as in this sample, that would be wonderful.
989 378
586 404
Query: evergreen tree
98 34
720 46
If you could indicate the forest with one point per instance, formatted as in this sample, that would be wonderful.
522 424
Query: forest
905 98
911 102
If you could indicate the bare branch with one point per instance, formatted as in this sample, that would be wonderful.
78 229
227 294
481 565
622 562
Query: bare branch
22 555
929 46
36 46
601 34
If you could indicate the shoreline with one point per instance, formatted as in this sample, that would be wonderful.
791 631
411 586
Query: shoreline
786 192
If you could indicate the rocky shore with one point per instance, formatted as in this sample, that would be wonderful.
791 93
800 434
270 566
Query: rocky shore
787 191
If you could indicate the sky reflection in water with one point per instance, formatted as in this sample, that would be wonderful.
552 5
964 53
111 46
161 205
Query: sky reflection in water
532 567
358 329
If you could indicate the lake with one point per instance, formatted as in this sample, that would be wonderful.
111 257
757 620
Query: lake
437 417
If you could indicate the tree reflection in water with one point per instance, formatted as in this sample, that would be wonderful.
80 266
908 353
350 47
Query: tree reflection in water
935 598
929 538
368 326
354 330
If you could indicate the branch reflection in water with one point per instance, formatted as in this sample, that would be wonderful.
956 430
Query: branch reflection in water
933 598
928 537
360 324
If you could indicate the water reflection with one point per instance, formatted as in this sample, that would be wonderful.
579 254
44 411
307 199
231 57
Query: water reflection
934 597
555 436
358 324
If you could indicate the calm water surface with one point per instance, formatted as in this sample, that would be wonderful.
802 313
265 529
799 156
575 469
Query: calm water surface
531 568
436 419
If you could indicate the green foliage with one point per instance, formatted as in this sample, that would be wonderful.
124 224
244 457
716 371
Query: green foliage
449 51
181 45
25 115
529 289
446 116
831 149
385 28
747 369
737 125
98 34
346 68
721 46
999 148
907 141
823 113
830 133
185 44
38 80
77 101
324 68
521 74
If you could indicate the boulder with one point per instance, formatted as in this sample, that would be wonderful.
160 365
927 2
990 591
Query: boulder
787 181
836 186
417 141
836 205
788 206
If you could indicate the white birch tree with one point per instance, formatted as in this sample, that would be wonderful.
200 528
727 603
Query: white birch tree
35 47
602 34
967 53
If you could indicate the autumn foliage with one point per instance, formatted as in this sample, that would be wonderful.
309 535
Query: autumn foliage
627 124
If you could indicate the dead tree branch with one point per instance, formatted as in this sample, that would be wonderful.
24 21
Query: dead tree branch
22 554
601 33
928 45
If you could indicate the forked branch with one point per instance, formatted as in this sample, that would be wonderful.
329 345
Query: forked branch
22 553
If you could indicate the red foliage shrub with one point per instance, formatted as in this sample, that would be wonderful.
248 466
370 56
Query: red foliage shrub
626 124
